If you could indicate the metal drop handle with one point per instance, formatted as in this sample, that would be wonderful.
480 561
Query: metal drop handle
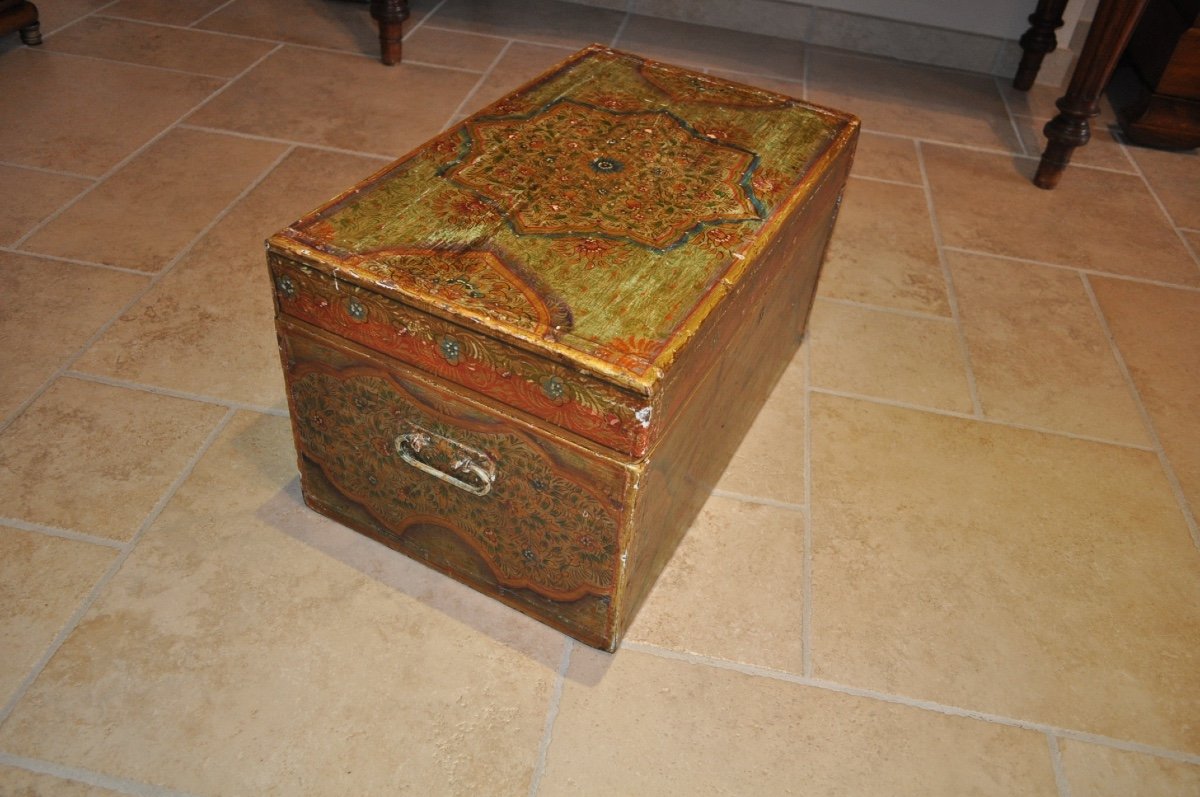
409 446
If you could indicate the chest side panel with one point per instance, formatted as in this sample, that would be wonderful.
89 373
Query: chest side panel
528 519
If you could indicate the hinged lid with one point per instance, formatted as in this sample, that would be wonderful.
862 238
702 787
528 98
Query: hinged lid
596 215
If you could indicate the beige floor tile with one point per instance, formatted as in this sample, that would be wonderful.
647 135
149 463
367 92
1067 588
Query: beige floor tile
1103 151
452 48
157 45
637 724
48 310
890 356
79 132
701 603
339 100
144 214
112 454
709 47
1039 353
546 21
56 14
1094 771
207 327
769 463
1094 219
233 618
23 783
911 100
882 251
887 158
42 581
316 23
171 12
38 194
1157 331
520 63
1018 573
1175 177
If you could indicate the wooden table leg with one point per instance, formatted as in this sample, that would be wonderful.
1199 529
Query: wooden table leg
1110 32
390 14
1038 41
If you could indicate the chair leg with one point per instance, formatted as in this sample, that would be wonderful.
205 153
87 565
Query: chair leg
1038 41
390 14
1111 29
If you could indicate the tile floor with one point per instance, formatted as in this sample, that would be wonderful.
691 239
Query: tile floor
956 555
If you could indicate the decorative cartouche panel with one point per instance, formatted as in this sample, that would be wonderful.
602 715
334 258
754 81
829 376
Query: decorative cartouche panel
576 402
596 214
542 516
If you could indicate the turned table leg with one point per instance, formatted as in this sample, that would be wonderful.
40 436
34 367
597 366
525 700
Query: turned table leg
390 14
1038 41
1110 32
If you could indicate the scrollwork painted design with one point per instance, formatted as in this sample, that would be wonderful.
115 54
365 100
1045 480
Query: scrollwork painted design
585 406
537 529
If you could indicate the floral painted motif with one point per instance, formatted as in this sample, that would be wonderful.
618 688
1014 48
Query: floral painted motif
585 406
537 527
570 203
591 252
574 169
477 280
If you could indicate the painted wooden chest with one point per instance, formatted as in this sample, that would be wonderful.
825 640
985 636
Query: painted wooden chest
524 353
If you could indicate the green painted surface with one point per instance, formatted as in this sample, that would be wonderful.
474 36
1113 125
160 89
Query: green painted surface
596 208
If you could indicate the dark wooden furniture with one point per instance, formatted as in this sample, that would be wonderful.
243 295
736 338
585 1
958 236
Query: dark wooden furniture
20 16
1165 53
525 353
390 15
1071 128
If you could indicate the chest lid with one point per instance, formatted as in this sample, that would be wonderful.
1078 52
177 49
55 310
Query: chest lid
596 215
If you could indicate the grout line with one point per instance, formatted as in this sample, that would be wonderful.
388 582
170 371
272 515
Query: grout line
44 170
887 180
116 167
74 261
420 23
1060 772
612 43
1079 269
1162 207
88 777
1012 117
470 95
804 69
149 286
127 549
285 141
1189 516
173 393
879 308
904 405
135 64
756 671
951 293
66 534
806 575
93 12
539 766
374 57
216 10
757 499
511 39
